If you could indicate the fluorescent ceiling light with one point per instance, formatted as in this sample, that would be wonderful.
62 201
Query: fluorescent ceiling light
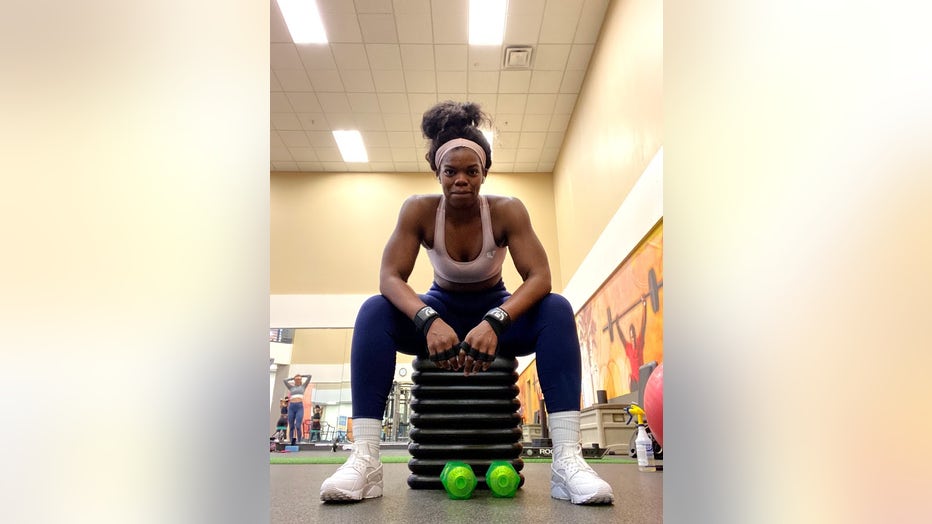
303 21
351 146
487 22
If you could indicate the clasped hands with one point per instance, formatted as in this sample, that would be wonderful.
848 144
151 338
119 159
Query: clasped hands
472 355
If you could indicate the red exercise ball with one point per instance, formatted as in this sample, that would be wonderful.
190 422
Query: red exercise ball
653 403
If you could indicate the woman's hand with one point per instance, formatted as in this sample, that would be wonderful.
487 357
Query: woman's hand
482 344
443 345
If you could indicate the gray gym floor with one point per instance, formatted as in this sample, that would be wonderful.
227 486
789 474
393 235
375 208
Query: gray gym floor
295 498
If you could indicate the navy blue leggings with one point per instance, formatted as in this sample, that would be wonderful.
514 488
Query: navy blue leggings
295 419
547 329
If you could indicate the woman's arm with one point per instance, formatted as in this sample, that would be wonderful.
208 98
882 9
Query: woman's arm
398 260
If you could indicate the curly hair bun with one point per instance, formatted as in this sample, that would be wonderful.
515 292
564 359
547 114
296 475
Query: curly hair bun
451 117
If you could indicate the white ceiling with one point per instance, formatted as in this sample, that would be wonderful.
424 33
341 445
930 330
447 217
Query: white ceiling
388 61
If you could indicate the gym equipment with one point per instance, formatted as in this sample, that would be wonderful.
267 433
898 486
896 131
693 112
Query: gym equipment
653 403
502 479
471 419
458 480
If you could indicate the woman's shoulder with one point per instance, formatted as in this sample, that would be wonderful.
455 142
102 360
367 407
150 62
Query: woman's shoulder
505 205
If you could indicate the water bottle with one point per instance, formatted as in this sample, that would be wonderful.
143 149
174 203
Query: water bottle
458 479
645 450
502 479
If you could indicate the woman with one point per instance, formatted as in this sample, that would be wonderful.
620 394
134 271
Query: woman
296 386
466 236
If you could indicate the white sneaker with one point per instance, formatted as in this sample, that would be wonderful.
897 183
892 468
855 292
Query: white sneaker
360 477
572 479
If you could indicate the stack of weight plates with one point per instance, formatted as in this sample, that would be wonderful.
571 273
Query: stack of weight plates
472 419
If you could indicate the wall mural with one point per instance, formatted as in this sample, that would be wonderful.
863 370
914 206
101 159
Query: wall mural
620 328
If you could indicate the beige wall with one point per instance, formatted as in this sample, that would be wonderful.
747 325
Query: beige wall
328 229
616 129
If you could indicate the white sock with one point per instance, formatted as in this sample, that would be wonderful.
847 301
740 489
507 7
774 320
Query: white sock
564 427
368 431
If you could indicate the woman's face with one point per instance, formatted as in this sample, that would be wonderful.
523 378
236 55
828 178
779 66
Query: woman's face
460 176
297 380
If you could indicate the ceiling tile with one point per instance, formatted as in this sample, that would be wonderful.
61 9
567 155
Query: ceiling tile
384 56
449 21
357 81
369 122
404 154
549 154
526 7
389 81
373 6
278 103
400 139
485 58
483 82
545 81
535 123
358 167
335 166
522 29
341 120
285 122
375 139
525 167
275 140
511 103
417 57
310 167
304 102
293 80
487 101
504 167
329 154
316 56
350 56
378 28
502 155
590 21
334 102
508 140
363 102
458 96
514 81
451 81
393 102
540 103
545 167
294 138
554 140
303 154
572 81
279 154
397 122
411 167
313 122
285 167
420 102
565 103
284 56
579 56
382 167
559 122
411 6
527 155
551 57
532 141
274 83
421 81
559 23
335 6
341 27
450 57
326 80
379 154
414 28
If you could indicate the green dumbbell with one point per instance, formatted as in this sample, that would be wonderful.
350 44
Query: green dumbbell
458 479
502 479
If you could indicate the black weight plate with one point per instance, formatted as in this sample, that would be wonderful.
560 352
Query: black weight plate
425 392
465 452
465 436
465 405
465 420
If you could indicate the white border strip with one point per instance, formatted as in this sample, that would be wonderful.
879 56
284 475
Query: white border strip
640 211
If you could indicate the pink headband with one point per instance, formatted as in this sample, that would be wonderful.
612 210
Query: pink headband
446 147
